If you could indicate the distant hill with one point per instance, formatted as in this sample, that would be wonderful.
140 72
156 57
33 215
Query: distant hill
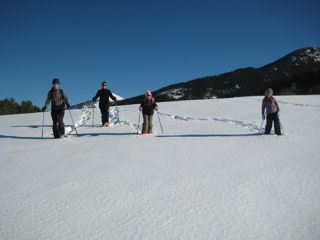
296 73
10 106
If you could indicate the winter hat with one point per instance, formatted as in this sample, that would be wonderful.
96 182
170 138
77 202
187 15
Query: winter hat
148 93
56 81
103 83
268 90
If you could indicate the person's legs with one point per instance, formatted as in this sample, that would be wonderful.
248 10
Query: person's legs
150 124
103 110
145 124
107 114
269 124
61 123
55 123
104 114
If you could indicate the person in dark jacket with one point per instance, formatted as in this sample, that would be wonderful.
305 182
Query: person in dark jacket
147 107
58 101
104 104
271 108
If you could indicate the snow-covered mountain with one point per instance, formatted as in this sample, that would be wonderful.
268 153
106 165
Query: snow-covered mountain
211 175
296 73
118 97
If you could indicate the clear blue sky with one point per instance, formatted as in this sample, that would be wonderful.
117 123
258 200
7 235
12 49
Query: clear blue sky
142 44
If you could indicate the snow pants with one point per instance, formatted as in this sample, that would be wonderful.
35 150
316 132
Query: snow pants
273 117
104 109
147 123
58 125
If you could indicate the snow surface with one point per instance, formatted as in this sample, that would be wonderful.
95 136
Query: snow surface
209 176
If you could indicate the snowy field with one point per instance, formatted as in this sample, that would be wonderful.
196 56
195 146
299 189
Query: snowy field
211 175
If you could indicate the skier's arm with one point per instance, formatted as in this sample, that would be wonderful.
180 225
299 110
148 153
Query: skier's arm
66 100
112 97
47 100
95 97
276 103
155 106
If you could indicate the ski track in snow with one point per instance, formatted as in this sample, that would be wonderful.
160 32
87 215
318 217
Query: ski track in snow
250 126
114 112
294 104
86 116
299 104
114 118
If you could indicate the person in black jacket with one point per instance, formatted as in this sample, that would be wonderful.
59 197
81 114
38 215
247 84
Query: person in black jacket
147 107
58 101
104 104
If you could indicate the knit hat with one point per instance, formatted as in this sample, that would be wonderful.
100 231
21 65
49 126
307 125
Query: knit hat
268 90
56 81
148 93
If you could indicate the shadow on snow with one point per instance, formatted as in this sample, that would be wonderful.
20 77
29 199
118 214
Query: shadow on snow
24 137
132 133
209 135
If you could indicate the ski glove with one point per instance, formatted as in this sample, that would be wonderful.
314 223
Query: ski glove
68 105
44 109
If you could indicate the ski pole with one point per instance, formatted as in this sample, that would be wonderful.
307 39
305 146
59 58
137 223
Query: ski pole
160 122
138 122
92 116
73 123
261 126
42 124
93 107
117 109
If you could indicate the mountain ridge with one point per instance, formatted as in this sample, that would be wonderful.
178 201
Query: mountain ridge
295 73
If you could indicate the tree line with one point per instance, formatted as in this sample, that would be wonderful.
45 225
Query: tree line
10 106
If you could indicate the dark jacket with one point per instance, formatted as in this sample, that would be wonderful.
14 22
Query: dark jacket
104 95
57 98
148 106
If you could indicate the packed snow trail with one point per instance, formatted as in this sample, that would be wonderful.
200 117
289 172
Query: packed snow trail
86 118
251 127
202 179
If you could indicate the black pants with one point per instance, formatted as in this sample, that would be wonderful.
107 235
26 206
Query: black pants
104 113
273 117
58 125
